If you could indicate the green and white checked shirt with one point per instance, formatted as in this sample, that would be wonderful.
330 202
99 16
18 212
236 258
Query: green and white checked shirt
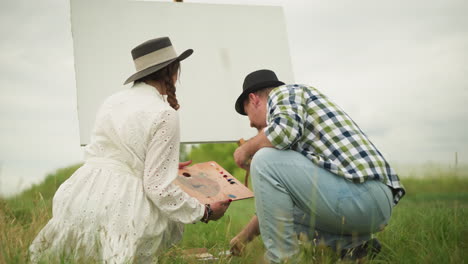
301 118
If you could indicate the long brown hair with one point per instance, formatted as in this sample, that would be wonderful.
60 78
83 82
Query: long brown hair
165 75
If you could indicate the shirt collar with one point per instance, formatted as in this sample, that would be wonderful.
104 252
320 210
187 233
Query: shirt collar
150 89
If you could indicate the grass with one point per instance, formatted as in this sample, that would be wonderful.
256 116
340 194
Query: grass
430 225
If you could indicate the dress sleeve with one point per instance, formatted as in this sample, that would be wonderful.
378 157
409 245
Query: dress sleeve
285 117
161 168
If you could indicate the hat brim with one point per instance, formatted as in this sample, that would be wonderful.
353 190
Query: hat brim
240 100
157 67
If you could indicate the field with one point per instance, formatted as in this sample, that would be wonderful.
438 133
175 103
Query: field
430 224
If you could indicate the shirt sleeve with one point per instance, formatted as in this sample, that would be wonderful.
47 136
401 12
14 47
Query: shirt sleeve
161 168
285 117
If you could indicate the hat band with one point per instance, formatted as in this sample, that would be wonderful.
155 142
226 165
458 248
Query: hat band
154 58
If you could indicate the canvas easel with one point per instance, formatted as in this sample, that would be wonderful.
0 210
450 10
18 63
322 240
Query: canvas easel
247 172
211 79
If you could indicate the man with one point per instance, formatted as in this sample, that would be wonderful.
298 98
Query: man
314 172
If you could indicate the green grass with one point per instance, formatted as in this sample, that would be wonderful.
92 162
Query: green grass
430 224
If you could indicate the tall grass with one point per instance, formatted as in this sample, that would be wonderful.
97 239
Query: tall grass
22 216
429 225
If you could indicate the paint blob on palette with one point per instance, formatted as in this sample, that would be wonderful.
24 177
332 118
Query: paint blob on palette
209 182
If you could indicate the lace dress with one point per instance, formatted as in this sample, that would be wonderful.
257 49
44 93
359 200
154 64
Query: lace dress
121 205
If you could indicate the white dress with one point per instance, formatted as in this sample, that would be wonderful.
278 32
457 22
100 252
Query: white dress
121 205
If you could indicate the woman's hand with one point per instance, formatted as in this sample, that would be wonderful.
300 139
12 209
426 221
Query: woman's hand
219 208
184 164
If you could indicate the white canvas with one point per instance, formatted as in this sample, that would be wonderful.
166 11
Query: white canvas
229 41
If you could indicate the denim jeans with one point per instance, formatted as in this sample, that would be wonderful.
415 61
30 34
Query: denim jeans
293 196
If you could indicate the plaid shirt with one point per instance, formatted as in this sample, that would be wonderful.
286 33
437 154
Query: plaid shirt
302 119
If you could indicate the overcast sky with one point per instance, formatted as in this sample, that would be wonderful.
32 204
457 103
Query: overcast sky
398 68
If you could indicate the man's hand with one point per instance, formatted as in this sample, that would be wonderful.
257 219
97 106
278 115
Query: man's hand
237 246
251 231
244 153
184 164
242 158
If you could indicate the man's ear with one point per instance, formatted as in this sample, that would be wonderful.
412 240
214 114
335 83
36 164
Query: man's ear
253 98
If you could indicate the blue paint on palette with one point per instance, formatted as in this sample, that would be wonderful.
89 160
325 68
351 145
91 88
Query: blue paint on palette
232 196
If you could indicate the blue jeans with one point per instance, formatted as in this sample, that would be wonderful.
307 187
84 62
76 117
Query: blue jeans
293 196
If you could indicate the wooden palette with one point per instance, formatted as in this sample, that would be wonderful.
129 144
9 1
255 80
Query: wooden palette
209 182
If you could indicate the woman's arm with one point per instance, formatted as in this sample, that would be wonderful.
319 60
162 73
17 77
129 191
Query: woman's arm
161 169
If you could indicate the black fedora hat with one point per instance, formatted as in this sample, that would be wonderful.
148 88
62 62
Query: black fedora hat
153 55
253 82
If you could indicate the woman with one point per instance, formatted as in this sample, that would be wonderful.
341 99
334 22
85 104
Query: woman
121 205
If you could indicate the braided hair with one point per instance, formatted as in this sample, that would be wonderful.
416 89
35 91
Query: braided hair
164 75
